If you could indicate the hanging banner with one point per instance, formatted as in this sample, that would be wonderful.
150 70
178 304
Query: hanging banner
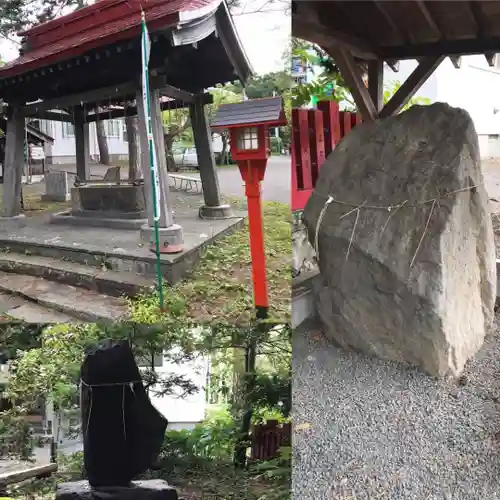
153 162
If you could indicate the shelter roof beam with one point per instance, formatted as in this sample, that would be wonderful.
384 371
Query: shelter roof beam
307 25
411 85
475 15
353 78
443 47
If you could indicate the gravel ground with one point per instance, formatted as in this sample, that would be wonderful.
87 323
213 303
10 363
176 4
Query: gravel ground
370 429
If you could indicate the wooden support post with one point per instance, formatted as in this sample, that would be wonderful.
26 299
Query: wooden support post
213 208
420 74
354 80
81 144
376 83
14 162
170 233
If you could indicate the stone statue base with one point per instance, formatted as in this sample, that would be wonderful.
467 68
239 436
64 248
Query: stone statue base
153 489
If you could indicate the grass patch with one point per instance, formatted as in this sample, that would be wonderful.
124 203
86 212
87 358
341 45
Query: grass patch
220 287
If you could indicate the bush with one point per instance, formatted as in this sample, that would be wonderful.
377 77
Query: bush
211 440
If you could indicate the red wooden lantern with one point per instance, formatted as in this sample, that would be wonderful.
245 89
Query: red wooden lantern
248 123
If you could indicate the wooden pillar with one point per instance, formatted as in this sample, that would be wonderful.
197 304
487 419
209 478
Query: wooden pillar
81 143
169 231
13 162
376 83
213 208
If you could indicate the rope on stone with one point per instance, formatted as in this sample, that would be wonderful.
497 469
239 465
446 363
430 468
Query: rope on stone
389 208
124 385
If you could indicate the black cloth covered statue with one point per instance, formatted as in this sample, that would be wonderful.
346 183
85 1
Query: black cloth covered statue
122 431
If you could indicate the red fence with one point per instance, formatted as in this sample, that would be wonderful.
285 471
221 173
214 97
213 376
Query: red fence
315 132
268 438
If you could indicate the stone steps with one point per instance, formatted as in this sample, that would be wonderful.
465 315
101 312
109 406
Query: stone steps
104 281
58 302
16 308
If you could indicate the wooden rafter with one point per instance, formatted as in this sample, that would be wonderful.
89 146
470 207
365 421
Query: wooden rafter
456 61
407 90
394 65
306 24
353 78
428 17
475 15
382 8
446 47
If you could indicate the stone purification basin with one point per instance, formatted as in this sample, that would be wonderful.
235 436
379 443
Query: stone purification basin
125 201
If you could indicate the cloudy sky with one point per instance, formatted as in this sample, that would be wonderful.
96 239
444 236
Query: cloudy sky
263 26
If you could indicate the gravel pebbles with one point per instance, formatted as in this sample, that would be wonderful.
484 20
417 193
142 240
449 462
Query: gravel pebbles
371 429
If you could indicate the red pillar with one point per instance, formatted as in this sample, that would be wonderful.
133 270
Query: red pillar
255 174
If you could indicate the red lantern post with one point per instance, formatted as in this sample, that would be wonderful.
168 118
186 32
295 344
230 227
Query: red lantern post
248 123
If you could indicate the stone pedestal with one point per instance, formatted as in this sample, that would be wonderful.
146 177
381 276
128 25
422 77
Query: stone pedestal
218 212
154 489
56 187
171 235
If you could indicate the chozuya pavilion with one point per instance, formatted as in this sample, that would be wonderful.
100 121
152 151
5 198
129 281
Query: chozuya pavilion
86 66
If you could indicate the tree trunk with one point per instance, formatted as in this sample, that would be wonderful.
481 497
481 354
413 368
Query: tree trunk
169 141
242 442
132 127
224 153
102 142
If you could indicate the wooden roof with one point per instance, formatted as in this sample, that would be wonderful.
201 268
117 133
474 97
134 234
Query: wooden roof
265 111
407 29
94 26
194 45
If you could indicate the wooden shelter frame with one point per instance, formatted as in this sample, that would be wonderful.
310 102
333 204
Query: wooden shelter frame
63 75
361 36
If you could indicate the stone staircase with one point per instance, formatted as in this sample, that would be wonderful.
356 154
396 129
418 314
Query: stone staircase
40 289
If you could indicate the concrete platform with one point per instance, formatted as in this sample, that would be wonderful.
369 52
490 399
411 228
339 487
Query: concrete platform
118 249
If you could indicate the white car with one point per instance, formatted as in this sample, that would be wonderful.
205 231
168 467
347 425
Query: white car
186 157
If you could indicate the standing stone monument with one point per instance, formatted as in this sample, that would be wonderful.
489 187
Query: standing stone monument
57 187
404 238
122 431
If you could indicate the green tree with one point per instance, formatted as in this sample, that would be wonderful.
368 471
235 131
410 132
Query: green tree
50 371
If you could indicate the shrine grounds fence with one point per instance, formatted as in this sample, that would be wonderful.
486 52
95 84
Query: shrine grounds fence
268 438
315 132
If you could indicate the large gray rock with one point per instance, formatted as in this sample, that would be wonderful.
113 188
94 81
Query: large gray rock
425 301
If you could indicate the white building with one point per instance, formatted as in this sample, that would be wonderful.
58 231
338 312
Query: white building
62 151
63 148
473 87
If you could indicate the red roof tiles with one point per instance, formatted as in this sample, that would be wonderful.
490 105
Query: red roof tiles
98 25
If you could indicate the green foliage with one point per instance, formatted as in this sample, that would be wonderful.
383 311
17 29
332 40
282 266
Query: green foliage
15 435
328 83
213 439
393 86
279 472
16 337
203 456
16 15
220 285
259 86
51 371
